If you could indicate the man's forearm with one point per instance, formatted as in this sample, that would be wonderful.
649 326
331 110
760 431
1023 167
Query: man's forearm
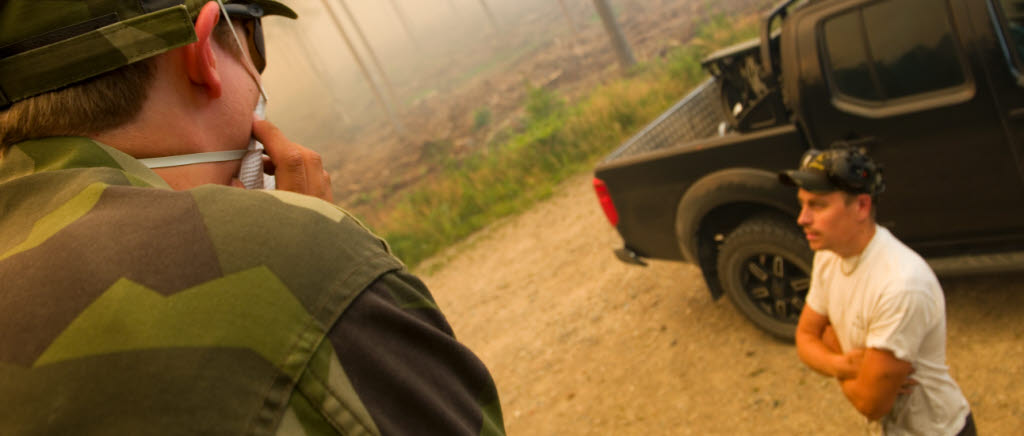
811 346
816 355
875 388
864 400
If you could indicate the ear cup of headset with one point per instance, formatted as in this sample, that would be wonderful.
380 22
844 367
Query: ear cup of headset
856 171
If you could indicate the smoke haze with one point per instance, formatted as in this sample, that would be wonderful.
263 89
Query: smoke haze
315 83
458 74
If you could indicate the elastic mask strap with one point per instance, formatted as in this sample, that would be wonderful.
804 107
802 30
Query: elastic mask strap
194 158
244 50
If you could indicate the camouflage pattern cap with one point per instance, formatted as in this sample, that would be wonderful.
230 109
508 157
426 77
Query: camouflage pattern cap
48 44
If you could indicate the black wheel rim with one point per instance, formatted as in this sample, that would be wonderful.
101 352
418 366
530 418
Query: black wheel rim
775 285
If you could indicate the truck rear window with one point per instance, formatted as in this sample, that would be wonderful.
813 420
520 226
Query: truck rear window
892 49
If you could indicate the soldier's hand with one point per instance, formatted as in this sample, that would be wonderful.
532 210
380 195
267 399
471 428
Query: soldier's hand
295 168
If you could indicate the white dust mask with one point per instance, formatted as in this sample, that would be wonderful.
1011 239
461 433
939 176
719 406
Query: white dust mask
251 173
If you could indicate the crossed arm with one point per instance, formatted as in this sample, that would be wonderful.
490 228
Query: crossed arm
870 378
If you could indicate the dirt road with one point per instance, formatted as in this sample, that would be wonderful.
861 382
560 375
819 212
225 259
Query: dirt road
582 344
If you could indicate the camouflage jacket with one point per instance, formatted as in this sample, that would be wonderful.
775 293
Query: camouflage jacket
129 308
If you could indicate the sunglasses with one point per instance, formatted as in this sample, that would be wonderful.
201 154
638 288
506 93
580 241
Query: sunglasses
250 15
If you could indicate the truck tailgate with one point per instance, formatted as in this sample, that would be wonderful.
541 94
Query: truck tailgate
646 189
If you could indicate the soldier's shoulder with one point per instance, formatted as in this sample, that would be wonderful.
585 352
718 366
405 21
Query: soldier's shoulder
272 205
282 217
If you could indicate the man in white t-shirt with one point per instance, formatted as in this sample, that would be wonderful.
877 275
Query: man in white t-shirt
875 316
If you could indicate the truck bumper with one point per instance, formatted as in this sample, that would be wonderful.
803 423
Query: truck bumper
629 256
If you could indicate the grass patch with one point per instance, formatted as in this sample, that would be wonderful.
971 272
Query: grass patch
481 118
557 140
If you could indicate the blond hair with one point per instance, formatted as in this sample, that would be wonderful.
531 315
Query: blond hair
95 105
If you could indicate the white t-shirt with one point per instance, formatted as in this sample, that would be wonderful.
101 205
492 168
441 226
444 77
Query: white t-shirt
888 298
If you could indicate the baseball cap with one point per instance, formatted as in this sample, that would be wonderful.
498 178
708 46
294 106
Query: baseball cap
46 45
840 168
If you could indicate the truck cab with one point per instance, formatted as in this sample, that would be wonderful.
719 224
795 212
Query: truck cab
933 90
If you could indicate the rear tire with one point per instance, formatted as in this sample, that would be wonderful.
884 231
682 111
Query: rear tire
765 267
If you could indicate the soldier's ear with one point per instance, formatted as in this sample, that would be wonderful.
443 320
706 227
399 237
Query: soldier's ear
199 58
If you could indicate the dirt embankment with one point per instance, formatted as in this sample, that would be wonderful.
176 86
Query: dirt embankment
582 344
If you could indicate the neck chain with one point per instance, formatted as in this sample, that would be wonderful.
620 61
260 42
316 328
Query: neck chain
849 266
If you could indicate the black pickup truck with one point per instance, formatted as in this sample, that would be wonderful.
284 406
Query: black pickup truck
933 89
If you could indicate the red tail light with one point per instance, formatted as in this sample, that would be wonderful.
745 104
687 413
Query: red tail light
606 201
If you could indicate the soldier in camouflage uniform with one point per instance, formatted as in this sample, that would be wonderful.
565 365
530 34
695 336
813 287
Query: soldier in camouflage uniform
129 307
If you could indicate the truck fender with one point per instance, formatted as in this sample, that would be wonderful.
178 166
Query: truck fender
730 186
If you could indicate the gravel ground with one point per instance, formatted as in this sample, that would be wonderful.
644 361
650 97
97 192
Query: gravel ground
582 344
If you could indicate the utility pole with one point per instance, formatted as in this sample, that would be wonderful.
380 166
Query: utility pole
622 49
373 55
362 67
405 23
490 15
565 11
303 52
